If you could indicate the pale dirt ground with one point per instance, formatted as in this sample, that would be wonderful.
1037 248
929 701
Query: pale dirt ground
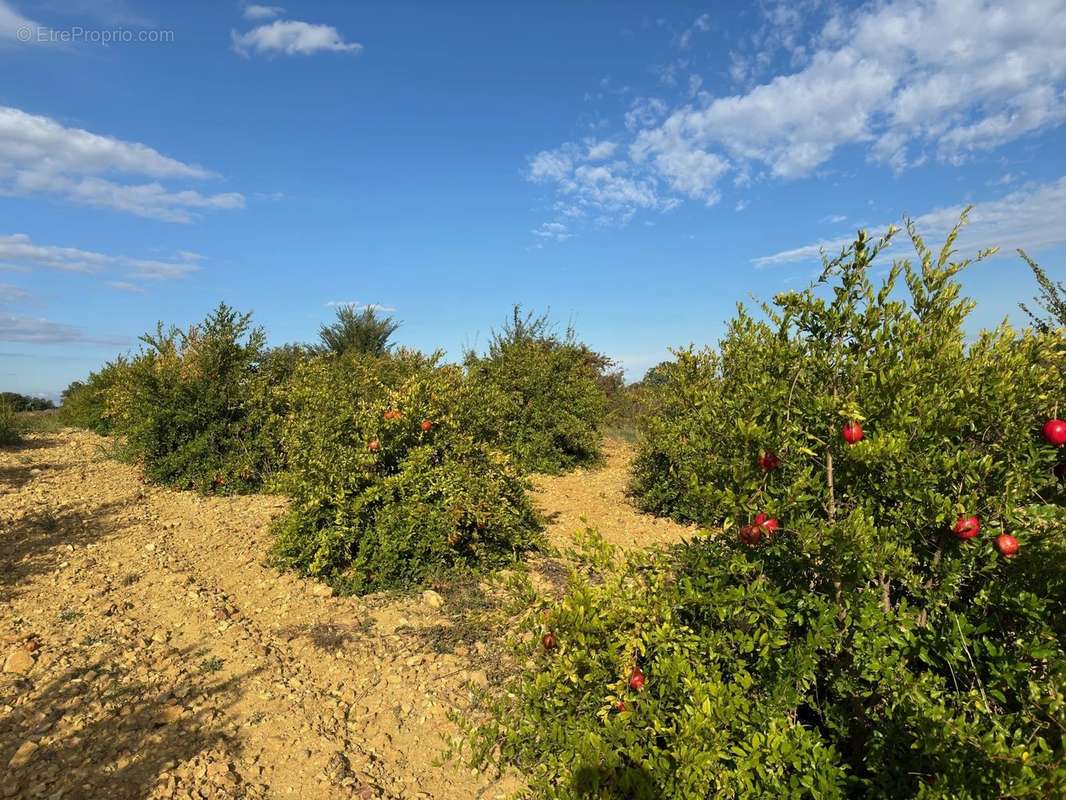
149 652
596 498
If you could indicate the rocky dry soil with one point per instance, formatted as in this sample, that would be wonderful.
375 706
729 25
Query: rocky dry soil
148 651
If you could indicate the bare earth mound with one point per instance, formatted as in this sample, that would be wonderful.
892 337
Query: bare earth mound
149 652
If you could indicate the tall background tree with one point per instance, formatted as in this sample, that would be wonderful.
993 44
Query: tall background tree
357 330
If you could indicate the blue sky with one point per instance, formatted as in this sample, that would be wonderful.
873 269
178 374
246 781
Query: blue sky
637 169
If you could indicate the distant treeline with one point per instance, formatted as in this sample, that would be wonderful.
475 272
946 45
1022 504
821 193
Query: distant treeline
21 402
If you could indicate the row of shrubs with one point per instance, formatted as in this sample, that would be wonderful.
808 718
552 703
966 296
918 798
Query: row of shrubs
845 633
858 625
399 466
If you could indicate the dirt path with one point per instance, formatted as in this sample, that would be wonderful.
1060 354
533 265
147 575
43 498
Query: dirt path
148 651
596 498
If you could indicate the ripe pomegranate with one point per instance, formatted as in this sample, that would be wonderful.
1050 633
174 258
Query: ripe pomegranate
392 413
620 706
426 426
768 526
966 527
1055 432
1007 545
852 432
374 446
750 535
769 461
548 641
636 679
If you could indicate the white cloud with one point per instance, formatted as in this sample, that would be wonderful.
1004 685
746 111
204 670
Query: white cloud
686 169
550 165
19 250
900 81
600 150
1030 218
609 192
49 146
38 155
262 12
291 37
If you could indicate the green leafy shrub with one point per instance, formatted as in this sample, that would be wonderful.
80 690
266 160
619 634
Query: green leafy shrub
85 402
389 487
9 429
858 648
540 397
189 406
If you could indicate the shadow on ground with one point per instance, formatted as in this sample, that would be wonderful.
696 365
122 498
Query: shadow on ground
101 729
36 542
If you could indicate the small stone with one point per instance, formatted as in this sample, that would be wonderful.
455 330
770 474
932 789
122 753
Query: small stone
19 662
168 715
321 590
476 677
23 754
338 768
149 548
432 599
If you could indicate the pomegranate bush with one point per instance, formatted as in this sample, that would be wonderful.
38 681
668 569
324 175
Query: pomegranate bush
188 406
85 402
882 612
389 486
9 431
539 396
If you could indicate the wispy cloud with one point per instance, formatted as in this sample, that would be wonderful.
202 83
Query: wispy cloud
256 12
291 37
358 306
126 286
15 28
11 294
19 250
553 230
1030 218
33 330
38 155
702 24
